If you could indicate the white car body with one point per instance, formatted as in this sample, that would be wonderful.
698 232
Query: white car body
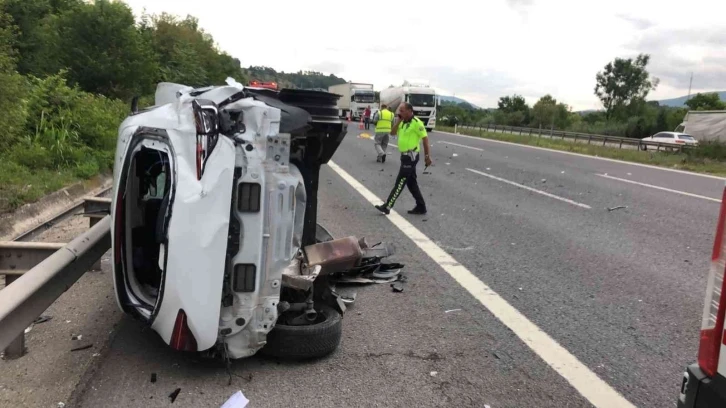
201 241
672 138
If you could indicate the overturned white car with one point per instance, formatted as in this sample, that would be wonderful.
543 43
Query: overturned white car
215 236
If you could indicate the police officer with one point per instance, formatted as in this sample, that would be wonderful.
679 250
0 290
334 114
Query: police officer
383 120
411 131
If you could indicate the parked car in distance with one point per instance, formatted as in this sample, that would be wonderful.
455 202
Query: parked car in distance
671 138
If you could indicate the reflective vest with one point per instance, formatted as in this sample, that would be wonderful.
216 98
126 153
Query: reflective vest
385 121
410 135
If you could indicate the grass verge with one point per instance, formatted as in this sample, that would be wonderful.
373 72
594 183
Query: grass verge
20 185
672 160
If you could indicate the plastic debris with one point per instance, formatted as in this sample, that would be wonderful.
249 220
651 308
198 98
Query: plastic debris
174 394
42 319
454 155
77 337
61 405
620 207
237 400
452 310
434 373
82 347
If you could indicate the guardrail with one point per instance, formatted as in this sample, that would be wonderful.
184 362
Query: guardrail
576 136
37 273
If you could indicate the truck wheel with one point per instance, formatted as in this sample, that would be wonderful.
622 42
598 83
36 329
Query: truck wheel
309 341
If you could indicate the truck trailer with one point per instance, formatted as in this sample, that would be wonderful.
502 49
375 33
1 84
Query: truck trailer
418 94
705 126
355 98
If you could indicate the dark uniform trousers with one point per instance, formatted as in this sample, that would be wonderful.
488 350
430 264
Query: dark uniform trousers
407 177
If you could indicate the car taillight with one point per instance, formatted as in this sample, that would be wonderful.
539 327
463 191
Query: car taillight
680 141
712 326
182 338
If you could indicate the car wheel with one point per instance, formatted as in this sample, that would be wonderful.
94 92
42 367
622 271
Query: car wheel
307 341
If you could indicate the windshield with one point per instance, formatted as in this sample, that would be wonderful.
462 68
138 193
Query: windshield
419 100
367 97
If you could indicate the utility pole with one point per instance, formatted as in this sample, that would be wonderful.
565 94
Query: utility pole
689 87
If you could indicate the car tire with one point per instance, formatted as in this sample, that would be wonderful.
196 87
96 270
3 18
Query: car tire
306 342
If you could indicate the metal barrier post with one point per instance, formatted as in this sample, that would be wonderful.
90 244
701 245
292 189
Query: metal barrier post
16 348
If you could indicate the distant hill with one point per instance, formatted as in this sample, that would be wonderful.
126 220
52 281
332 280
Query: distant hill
300 79
454 99
681 101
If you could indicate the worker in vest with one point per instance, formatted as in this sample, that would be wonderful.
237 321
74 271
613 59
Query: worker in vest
411 132
383 120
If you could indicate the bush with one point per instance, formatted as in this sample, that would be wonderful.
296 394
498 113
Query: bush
30 155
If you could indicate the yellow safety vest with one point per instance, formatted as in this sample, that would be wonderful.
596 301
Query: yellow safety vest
410 135
385 121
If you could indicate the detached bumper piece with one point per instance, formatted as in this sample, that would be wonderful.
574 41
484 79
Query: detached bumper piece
700 391
349 260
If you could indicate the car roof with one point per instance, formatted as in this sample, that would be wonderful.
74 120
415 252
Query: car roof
675 133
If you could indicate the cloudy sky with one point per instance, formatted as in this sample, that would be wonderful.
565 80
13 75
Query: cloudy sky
478 51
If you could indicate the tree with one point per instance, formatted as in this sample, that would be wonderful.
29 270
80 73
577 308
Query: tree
12 86
547 112
706 101
513 111
511 104
623 83
104 51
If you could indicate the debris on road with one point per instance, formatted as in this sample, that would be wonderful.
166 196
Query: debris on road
454 155
82 347
42 319
434 373
61 405
620 207
153 378
237 400
174 394
77 337
397 287
452 310
544 180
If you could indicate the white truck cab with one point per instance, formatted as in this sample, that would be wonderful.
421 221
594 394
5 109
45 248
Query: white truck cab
704 383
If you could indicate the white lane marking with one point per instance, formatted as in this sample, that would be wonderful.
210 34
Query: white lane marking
598 392
690 173
716 200
534 190
461 145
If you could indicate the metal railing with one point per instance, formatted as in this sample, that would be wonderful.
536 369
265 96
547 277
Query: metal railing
37 273
579 137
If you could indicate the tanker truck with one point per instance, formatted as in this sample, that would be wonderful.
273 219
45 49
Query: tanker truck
417 93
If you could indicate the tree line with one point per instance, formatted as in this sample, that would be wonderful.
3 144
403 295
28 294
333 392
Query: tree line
68 70
622 87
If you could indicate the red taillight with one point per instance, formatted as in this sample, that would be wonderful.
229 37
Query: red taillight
182 338
680 141
712 325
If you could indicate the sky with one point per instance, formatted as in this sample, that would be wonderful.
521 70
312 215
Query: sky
478 51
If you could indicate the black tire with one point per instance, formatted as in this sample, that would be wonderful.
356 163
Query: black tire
306 342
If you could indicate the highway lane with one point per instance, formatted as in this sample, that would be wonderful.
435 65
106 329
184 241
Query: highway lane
622 290
613 288
430 346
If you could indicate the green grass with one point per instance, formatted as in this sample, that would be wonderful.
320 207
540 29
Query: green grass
693 161
20 185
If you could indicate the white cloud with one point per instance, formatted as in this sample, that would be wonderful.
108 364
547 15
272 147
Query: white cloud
480 51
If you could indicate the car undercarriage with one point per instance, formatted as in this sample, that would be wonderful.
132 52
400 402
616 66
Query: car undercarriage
216 243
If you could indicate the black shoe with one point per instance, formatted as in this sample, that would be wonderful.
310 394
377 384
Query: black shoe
417 211
383 158
382 208
379 159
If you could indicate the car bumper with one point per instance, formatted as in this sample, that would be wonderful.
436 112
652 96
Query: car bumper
700 391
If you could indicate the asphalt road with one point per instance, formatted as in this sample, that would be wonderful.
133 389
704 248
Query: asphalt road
621 290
